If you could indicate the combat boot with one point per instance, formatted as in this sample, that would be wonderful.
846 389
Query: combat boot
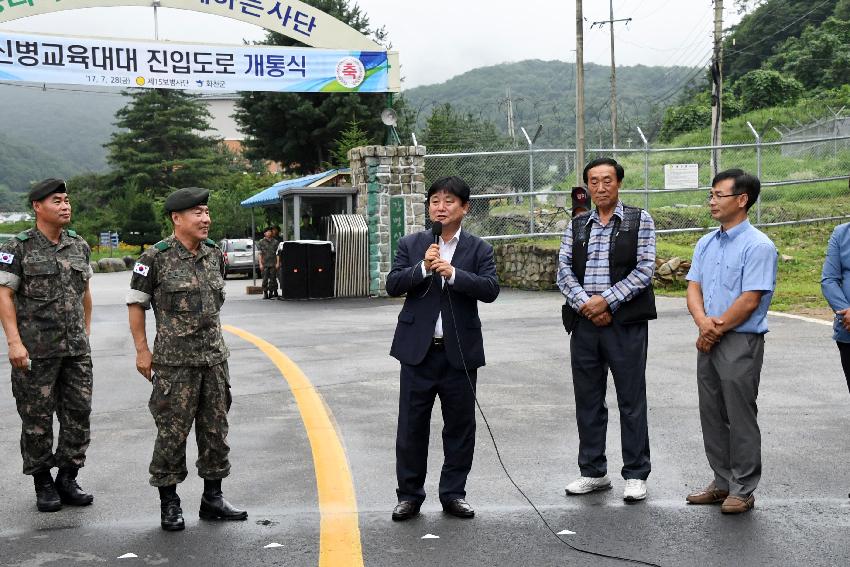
171 515
69 491
46 498
265 293
215 507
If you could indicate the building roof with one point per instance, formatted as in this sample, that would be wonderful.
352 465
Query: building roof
271 195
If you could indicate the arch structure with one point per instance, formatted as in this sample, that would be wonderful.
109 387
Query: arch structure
292 18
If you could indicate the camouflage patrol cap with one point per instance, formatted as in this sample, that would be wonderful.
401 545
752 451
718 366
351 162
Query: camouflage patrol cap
186 198
47 187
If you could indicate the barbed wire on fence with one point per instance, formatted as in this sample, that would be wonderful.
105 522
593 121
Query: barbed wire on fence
524 193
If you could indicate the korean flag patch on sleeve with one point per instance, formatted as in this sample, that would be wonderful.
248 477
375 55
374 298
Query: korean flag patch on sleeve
141 269
6 258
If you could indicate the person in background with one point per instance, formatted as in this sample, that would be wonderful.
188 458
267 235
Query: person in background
835 285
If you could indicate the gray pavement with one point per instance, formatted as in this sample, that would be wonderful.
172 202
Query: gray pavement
801 514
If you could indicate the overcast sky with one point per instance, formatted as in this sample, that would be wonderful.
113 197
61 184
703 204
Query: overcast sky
438 39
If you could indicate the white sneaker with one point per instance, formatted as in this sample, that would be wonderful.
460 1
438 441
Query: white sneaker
635 490
586 484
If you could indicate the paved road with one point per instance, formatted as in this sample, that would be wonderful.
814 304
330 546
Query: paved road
341 345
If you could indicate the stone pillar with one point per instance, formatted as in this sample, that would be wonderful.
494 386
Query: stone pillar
380 173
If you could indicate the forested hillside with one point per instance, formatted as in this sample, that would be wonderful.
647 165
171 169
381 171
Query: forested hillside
52 133
543 92
787 63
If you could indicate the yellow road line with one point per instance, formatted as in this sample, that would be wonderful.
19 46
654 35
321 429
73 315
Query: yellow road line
340 533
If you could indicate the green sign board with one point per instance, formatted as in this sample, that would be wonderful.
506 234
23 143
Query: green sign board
396 223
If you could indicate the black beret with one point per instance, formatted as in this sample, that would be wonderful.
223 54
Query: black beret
44 188
186 198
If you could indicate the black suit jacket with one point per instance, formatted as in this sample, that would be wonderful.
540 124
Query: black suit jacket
475 280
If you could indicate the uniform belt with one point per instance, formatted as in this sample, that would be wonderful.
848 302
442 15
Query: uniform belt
438 343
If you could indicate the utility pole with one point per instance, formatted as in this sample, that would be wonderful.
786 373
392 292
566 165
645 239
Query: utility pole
508 102
717 87
579 92
611 21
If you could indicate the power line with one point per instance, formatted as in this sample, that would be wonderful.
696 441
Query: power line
780 30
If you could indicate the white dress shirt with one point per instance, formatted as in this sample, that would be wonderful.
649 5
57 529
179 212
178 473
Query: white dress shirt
447 252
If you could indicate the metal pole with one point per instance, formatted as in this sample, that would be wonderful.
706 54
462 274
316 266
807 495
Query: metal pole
613 84
155 20
253 248
758 169
530 180
645 169
579 91
717 88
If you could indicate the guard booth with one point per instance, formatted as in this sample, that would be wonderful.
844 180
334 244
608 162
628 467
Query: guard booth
325 247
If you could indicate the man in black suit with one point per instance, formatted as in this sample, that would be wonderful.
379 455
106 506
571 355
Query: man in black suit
438 342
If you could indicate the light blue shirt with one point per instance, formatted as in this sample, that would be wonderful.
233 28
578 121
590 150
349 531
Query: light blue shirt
835 278
728 263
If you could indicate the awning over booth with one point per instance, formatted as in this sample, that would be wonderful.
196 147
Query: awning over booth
271 195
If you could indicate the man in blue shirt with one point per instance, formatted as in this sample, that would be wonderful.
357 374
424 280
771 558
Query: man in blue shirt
731 283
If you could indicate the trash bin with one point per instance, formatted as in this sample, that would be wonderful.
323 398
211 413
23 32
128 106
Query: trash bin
306 269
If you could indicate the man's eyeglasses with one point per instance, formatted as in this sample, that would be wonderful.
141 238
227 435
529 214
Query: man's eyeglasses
711 196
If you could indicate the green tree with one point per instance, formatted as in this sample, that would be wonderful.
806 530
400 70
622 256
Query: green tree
11 201
759 33
684 118
765 88
141 226
158 147
229 218
449 130
300 129
819 58
352 137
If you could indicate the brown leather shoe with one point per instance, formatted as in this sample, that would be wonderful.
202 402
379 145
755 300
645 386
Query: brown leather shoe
737 504
708 495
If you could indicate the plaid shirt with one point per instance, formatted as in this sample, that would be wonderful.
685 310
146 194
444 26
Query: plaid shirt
597 278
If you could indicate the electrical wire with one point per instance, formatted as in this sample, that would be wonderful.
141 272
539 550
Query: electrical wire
780 30
504 468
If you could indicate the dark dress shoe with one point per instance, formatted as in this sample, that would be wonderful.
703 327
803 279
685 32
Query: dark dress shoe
69 491
46 497
405 510
215 507
459 508
171 515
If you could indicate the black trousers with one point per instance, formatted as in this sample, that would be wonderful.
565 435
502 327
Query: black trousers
420 385
593 350
844 351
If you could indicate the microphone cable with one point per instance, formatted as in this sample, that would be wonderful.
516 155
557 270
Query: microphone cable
504 468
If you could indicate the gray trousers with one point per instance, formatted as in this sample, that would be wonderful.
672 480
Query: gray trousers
593 350
728 382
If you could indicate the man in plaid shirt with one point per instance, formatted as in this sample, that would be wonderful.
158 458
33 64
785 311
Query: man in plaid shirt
606 263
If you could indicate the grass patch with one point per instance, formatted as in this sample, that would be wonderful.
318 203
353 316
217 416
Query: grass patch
797 280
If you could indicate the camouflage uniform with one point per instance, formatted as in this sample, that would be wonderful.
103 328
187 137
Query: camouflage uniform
191 380
49 281
267 247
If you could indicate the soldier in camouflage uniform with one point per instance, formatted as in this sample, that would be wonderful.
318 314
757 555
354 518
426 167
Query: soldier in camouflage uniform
180 278
267 247
45 308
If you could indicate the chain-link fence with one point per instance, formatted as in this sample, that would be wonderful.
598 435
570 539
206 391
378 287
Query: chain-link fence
522 193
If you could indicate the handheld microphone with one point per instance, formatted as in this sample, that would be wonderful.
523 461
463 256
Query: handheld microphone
437 231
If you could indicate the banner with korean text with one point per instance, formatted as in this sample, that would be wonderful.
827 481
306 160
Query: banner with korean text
210 68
